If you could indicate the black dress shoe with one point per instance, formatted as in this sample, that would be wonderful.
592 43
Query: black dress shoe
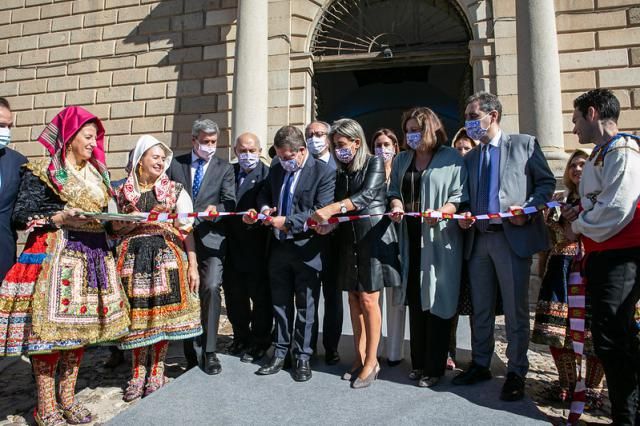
513 389
332 357
474 374
302 373
236 347
211 364
273 367
254 353
393 363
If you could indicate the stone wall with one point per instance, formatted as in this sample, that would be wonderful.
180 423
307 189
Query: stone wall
141 66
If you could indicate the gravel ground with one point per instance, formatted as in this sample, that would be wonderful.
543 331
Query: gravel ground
101 388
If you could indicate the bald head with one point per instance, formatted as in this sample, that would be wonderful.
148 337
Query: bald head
246 139
247 143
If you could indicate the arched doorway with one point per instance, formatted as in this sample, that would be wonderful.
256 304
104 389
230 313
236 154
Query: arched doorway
374 59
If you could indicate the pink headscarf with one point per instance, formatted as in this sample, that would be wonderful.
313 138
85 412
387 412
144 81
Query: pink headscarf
57 135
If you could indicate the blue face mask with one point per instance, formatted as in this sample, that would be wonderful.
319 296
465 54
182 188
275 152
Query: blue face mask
248 160
290 166
344 155
414 139
5 137
474 128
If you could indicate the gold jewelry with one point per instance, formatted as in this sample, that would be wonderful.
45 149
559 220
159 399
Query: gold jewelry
145 186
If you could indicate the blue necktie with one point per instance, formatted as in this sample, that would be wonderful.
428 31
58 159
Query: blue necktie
483 187
197 179
285 195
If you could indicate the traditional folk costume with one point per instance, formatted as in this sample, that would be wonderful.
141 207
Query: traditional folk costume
551 325
610 227
153 267
64 292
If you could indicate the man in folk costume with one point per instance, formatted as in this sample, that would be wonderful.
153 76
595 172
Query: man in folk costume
609 222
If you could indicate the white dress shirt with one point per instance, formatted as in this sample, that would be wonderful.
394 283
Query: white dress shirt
194 166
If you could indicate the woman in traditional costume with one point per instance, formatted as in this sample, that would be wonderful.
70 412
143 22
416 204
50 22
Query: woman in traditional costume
64 292
157 264
551 325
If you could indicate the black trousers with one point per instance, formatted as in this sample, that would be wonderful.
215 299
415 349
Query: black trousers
429 334
333 310
295 289
248 301
613 282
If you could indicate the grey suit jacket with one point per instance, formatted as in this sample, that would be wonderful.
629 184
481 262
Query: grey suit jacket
525 180
218 189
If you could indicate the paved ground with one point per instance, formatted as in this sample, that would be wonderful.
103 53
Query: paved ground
101 389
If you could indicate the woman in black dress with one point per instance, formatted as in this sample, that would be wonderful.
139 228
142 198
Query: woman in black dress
368 257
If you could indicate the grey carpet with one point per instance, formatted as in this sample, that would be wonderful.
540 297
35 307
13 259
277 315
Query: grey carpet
238 396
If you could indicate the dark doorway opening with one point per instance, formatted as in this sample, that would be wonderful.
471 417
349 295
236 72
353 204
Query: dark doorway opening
377 97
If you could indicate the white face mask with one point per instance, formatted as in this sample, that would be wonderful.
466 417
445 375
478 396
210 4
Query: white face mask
5 136
316 144
205 151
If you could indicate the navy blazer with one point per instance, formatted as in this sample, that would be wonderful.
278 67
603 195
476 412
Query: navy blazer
218 189
11 171
314 190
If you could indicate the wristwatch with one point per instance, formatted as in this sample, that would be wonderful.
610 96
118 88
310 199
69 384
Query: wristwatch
343 207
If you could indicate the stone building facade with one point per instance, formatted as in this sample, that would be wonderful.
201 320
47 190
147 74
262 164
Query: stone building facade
153 66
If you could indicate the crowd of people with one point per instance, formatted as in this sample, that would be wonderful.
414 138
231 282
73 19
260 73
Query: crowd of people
89 275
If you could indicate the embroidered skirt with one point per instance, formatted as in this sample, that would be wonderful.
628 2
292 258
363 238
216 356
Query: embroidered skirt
153 269
551 325
63 293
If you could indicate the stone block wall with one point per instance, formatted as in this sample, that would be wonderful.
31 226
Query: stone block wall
142 66
599 44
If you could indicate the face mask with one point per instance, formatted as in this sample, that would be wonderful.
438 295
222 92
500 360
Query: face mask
290 166
414 139
5 136
386 154
205 151
344 155
474 129
316 145
248 160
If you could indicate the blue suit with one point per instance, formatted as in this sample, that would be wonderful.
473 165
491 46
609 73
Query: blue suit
10 176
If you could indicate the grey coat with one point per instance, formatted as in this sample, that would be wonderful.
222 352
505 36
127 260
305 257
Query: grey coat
525 180
442 245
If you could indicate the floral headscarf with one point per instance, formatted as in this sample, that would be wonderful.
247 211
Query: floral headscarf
57 136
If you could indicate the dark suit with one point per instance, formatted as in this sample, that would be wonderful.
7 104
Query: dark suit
295 264
217 189
333 312
10 176
246 284
501 260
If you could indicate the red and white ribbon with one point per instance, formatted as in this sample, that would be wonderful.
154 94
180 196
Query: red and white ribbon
577 315
440 215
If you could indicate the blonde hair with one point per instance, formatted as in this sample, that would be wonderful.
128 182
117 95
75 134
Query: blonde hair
350 129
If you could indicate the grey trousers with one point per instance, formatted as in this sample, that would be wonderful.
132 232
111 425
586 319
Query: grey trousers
210 269
492 266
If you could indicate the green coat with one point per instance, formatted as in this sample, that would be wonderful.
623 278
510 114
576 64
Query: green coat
444 181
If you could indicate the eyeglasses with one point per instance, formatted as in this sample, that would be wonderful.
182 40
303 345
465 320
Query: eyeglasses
318 134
